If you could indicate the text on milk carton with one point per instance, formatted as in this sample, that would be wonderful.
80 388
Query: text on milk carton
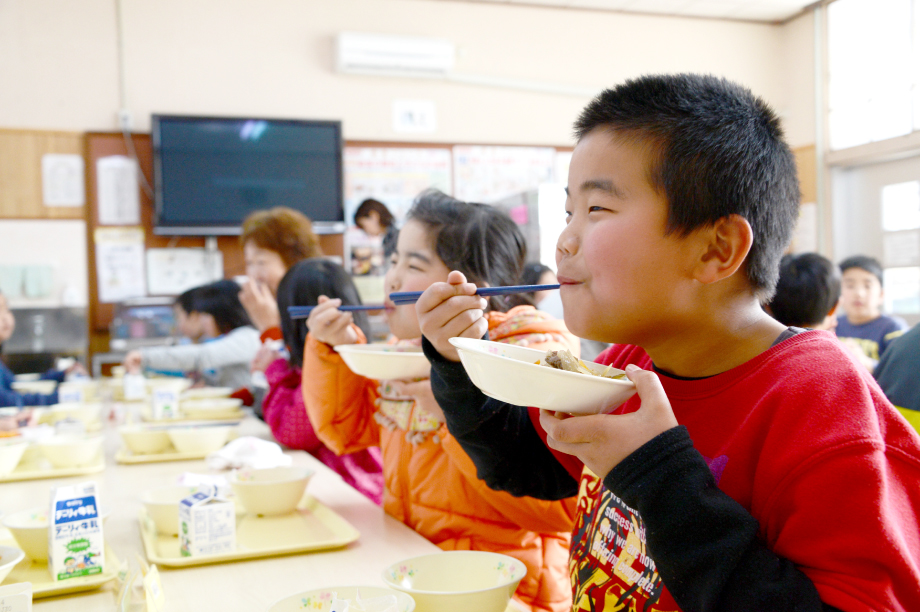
76 545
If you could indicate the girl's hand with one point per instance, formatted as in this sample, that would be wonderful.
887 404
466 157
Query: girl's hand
260 305
264 358
420 391
330 325
132 362
602 441
451 309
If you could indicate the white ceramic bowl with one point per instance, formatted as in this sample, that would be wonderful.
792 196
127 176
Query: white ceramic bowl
162 505
385 361
67 451
511 374
270 491
89 414
11 452
200 393
218 407
143 440
87 388
9 557
457 581
199 439
45 387
30 530
320 600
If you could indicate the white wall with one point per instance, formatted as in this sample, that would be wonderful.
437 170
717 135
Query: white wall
275 58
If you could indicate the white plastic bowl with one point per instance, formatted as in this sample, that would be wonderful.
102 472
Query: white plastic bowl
143 440
68 451
162 505
218 407
11 452
195 439
385 361
45 387
9 557
30 530
200 393
457 581
320 600
510 374
89 414
270 491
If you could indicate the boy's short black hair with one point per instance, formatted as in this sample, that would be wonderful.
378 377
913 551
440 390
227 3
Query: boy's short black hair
807 291
718 150
869 264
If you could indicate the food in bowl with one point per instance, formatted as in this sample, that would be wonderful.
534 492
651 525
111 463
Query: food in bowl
71 450
565 360
457 581
199 438
145 440
11 452
385 361
512 374
30 530
359 598
9 557
272 491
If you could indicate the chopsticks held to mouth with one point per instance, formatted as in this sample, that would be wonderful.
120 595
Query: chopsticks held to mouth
302 312
401 298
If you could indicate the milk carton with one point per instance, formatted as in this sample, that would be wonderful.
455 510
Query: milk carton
75 543
207 524
164 399
71 393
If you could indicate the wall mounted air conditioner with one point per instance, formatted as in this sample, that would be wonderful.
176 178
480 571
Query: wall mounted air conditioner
383 54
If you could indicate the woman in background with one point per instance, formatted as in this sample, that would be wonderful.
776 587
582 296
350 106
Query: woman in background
376 219
283 405
225 341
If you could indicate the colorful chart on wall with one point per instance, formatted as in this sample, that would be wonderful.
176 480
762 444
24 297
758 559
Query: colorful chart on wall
492 173
393 175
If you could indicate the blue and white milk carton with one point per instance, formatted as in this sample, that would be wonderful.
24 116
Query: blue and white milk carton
75 543
207 524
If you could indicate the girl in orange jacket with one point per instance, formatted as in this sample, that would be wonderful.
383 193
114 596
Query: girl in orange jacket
430 483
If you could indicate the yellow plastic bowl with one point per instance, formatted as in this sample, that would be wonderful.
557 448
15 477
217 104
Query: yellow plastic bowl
68 451
143 440
385 361
200 393
271 491
320 600
89 414
210 408
162 506
199 439
30 530
457 581
11 453
9 557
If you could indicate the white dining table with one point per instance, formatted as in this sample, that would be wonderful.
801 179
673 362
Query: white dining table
242 585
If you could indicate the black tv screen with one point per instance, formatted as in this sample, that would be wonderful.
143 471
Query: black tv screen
211 172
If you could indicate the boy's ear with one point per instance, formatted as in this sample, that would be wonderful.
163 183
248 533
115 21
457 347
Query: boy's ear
726 245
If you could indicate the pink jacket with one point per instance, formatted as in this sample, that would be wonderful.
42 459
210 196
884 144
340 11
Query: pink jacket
283 409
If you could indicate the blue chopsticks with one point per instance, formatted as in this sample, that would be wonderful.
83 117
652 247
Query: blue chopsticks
302 312
401 298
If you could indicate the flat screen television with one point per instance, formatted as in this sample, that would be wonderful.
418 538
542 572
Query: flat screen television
211 172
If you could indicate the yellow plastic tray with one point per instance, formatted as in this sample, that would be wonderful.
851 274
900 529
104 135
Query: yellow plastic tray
312 527
36 471
125 456
43 585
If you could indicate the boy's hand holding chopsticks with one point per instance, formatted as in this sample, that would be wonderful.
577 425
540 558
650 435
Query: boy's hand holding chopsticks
451 309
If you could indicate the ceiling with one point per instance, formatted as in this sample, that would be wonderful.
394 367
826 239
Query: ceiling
748 10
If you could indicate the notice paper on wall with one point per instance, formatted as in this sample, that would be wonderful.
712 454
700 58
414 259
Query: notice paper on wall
62 180
119 263
119 193
172 271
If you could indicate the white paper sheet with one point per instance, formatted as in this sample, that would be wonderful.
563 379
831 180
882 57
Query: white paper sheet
119 193
62 180
119 263
172 271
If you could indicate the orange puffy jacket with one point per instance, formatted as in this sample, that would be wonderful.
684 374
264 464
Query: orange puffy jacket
430 483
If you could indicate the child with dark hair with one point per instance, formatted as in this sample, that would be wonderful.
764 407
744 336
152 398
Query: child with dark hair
807 292
375 219
431 484
862 326
538 274
224 340
757 467
283 406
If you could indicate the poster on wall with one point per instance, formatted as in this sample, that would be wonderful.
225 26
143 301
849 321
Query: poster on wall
119 193
492 173
119 263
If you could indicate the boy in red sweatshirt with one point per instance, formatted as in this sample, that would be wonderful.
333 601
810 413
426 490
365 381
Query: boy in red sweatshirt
758 467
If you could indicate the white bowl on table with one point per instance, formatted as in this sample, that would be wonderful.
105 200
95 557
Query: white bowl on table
11 452
71 450
145 440
320 600
271 491
30 530
202 393
385 361
44 387
199 438
90 414
162 506
458 580
9 557
211 408
511 374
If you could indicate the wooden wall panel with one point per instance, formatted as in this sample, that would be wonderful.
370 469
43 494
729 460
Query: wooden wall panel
21 173
806 161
